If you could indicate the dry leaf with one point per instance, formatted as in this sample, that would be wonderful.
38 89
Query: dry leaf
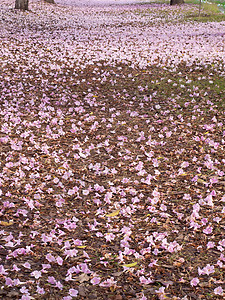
130 265
116 274
113 214
3 223
82 278
199 180
164 282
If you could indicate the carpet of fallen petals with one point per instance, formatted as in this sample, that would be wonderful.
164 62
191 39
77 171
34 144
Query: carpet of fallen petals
112 137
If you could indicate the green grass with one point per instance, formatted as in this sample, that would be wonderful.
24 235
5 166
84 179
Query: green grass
211 8
209 12
204 17
191 1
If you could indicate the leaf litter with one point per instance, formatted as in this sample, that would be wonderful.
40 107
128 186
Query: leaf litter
112 154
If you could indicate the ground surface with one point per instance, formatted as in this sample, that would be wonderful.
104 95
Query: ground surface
112 153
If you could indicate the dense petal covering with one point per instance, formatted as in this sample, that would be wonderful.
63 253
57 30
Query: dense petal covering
112 134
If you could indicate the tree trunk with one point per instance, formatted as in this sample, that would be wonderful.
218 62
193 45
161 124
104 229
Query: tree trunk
21 4
175 2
